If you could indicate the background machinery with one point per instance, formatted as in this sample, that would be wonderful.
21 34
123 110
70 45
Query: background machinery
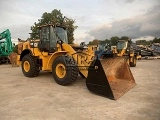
122 49
6 48
52 53
104 51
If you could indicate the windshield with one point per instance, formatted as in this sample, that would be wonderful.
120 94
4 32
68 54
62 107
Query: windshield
62 34
121 45
102 47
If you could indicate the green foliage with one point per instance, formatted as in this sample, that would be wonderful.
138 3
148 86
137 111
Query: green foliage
94 42
114 40
70 30
15 48
156 40
144 42
105 41
124 38
141 42
97 42
55 17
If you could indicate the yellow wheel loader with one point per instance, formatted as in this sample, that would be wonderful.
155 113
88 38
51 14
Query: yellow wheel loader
53 53
124 49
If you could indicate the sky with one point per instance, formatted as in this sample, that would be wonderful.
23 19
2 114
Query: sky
96 19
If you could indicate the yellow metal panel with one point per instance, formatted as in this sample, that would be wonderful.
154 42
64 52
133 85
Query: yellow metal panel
83 59
49 60
18 60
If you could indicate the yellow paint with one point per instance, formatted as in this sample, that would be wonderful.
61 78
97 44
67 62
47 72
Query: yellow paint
83 58
26 66
18 60
60 70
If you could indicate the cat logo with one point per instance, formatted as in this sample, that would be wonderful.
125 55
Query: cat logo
33 44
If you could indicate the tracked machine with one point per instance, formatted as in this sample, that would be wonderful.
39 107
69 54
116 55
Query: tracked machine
6 48
109 77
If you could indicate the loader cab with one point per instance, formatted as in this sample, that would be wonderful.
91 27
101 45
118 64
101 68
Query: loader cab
122 44
49 36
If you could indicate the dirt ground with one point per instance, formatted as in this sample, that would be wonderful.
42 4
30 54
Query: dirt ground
41 98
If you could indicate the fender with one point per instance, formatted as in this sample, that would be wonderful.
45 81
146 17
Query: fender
52 58
25 52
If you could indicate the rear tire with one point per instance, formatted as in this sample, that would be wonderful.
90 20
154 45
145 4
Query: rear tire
29 66
133 63
64 70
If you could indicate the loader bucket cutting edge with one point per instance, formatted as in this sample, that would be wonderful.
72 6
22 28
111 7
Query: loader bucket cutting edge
112 78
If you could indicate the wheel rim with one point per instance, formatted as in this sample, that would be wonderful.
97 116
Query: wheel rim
134 60
60 70
128 61
26 66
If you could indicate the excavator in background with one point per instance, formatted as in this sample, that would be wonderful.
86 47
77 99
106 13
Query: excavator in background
6 48
107 77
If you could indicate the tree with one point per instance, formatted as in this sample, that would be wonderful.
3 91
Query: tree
141 42
124 38
55 17
149 42
114 40
156 40
70 30
94 42
15 48
105 41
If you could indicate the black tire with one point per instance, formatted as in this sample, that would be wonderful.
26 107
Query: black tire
71 70
134 61
33 70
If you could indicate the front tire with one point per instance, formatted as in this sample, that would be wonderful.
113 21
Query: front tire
29 66
64 70
133 62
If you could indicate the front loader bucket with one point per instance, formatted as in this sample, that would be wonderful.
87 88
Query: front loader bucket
110 77
13 59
